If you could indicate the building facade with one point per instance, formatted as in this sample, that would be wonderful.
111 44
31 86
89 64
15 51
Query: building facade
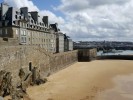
28 27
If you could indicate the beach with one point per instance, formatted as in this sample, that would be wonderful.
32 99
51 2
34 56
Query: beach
96 80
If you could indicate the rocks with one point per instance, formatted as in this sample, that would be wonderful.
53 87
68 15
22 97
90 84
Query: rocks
5 83
6 88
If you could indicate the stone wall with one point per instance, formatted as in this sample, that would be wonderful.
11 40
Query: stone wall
87 54
13 58
115 57
8 41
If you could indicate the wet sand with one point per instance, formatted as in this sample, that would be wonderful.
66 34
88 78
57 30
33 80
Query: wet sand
96 80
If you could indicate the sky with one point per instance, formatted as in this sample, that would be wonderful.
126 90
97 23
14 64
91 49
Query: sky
86 20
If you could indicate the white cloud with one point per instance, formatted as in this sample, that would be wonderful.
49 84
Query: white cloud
32 7
23 3
78 5
98 19
52 17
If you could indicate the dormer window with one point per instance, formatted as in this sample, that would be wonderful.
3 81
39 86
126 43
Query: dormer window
16 16
16 12
31 21
13 22
42 24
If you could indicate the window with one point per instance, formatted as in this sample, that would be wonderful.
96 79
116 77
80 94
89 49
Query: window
0 23
31 21
28 33
24 25
21 32
27 25
0 31
5 31
23 39
13 22
16 12
20 24
24 32
16 32
16 16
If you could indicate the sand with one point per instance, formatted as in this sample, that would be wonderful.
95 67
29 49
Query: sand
96 80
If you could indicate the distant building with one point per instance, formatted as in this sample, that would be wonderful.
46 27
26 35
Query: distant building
53 40
59 38
66 43
70 44
60 42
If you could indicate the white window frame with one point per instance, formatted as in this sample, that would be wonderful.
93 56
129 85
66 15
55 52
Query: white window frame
16 31
6 31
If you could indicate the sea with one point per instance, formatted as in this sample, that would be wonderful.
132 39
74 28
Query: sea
122 52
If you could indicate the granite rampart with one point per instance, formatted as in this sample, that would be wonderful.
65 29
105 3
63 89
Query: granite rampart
13 58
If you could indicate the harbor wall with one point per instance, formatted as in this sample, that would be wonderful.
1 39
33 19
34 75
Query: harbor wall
85 55
115 57
13 58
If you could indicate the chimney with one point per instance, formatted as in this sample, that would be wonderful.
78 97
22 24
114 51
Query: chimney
4 8
45 20
24 10
34 15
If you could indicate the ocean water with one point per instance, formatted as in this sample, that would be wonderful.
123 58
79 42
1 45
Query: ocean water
123 52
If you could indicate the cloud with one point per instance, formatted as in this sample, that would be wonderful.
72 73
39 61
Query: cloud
23 3
32 7
106 2
78 5
52 17
107 20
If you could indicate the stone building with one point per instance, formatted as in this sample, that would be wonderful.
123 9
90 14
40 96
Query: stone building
70 44
60 42
66 43
21 27
27 27
59 38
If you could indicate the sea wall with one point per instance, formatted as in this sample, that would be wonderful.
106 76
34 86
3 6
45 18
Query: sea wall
13 58
85 55
115 57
